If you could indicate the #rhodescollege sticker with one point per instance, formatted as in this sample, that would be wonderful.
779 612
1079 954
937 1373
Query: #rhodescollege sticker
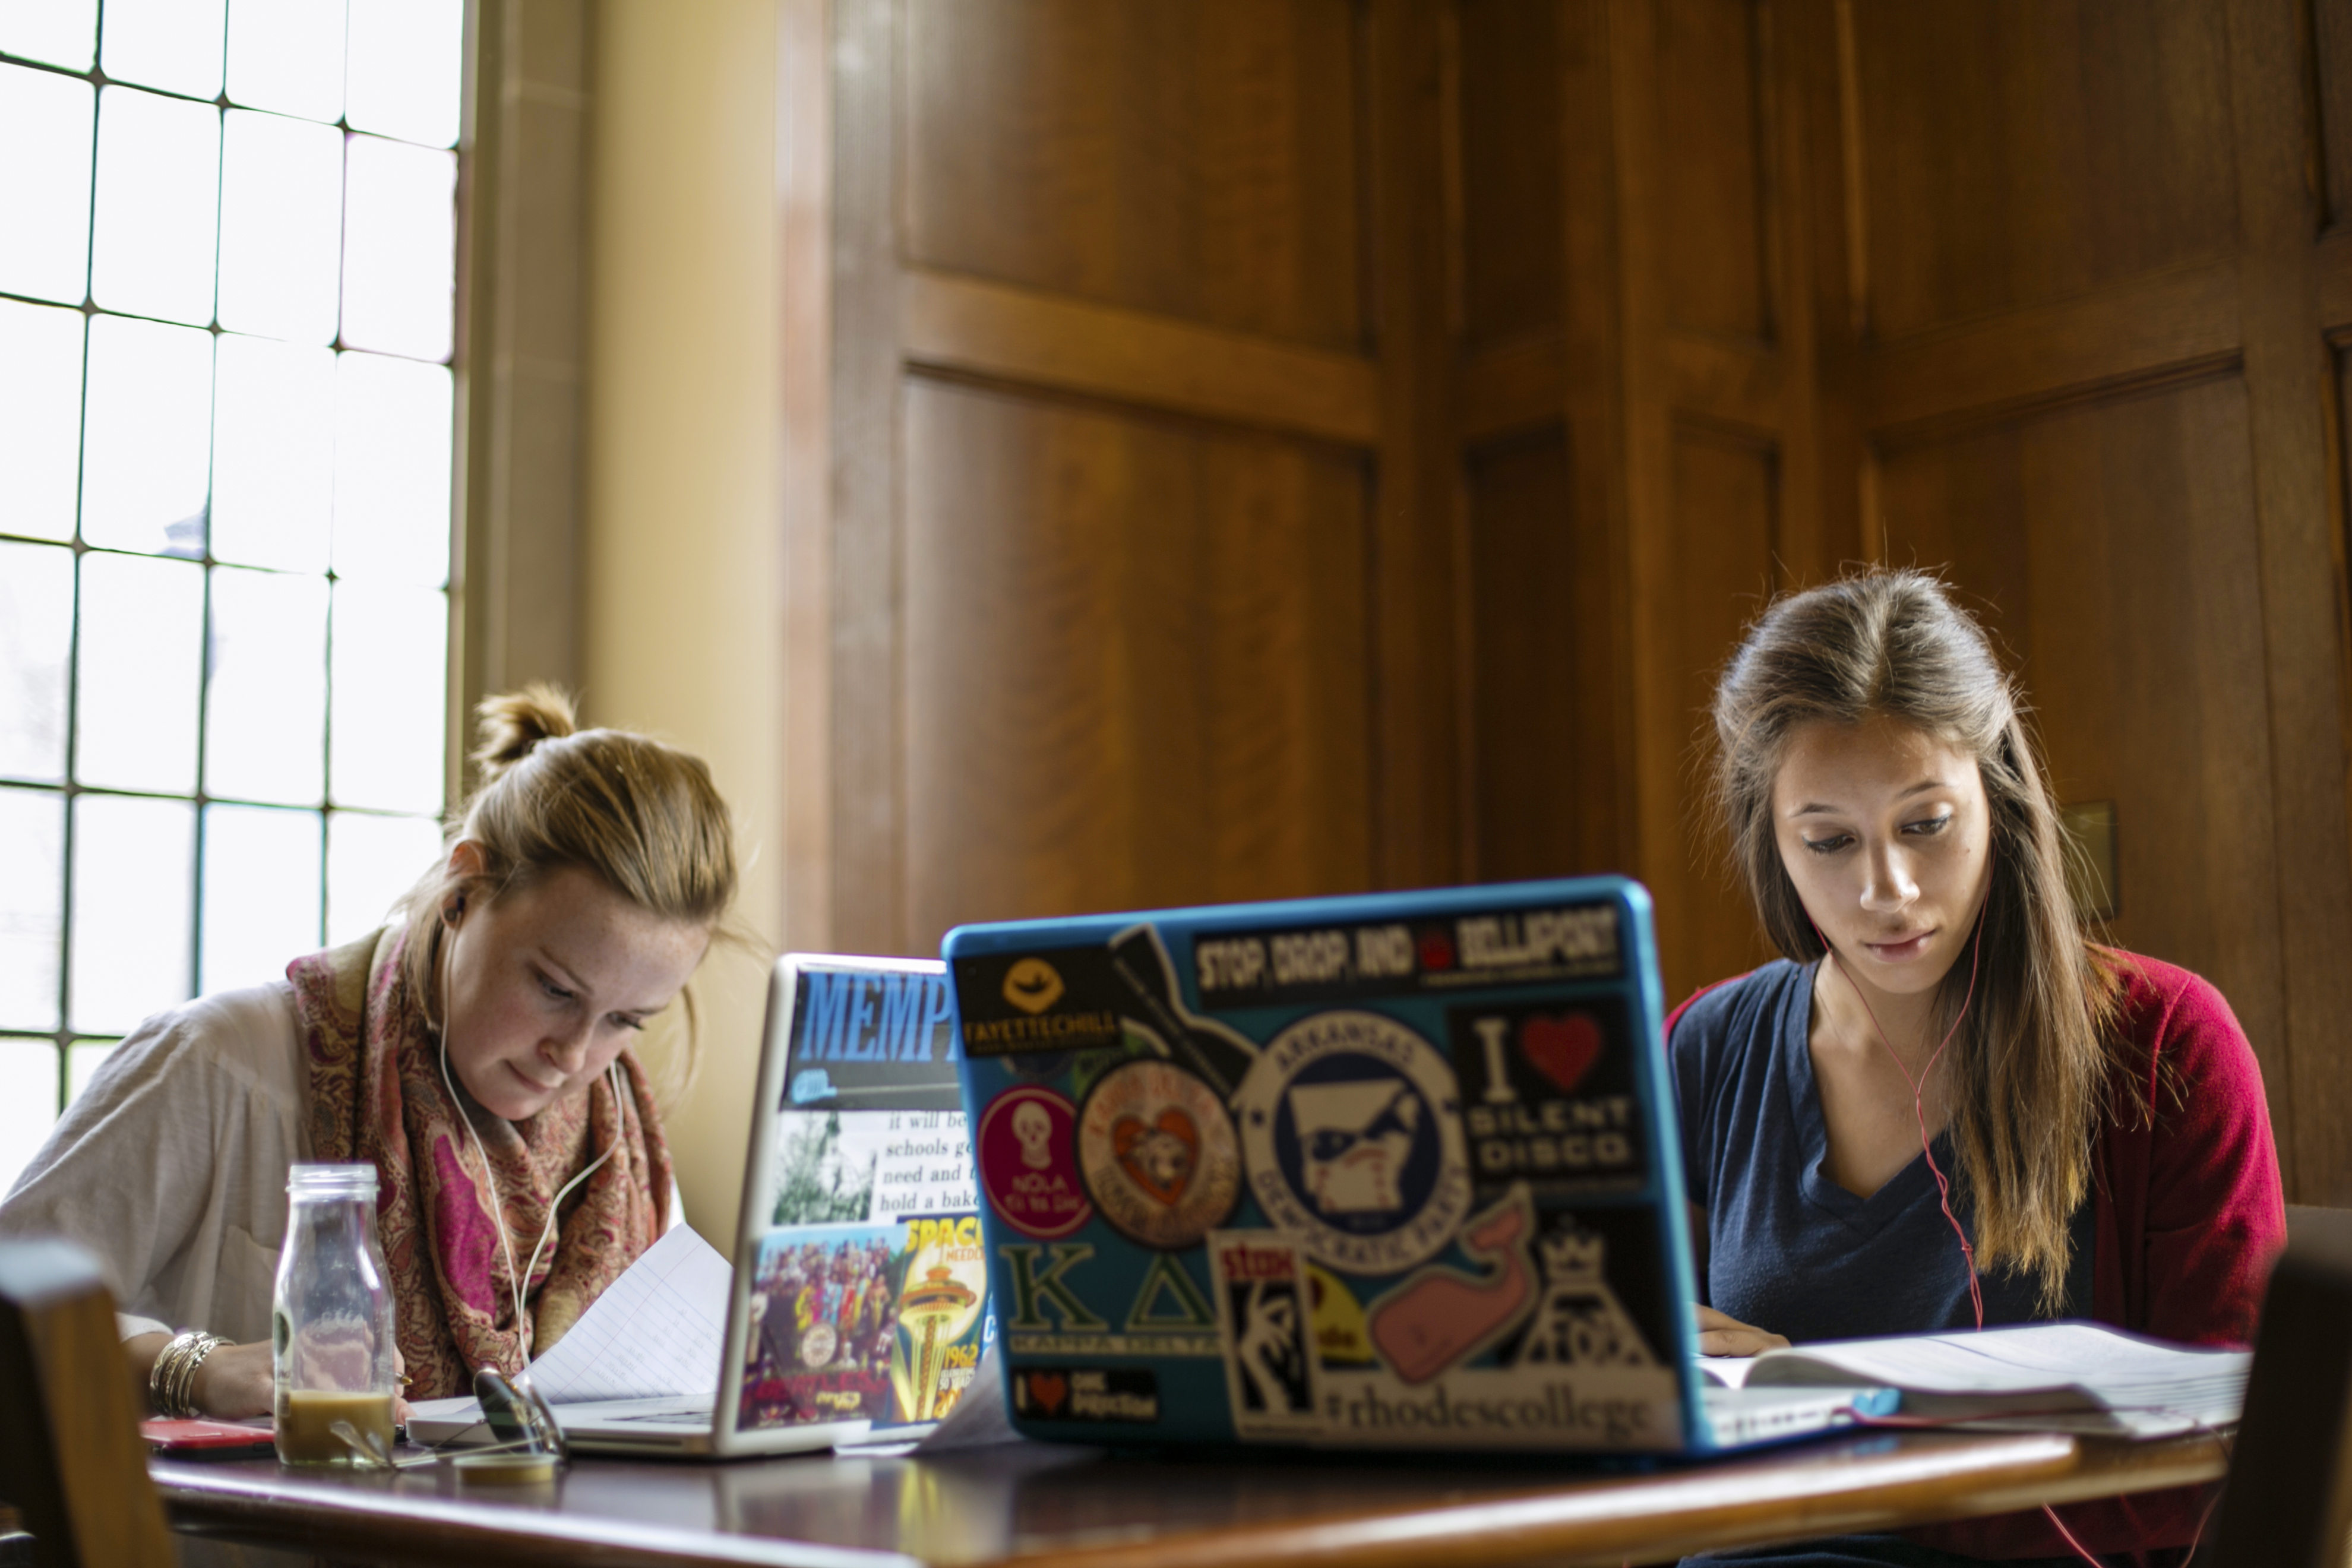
1159 1154
1351 1125
1266 1319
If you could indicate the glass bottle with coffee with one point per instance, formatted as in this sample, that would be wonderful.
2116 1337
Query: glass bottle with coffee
332 1328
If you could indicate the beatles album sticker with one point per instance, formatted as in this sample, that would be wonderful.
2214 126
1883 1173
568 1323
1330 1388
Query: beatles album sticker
1159 1154
1351 1125
1026 1164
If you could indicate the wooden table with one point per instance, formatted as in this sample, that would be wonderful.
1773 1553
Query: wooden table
1042 1506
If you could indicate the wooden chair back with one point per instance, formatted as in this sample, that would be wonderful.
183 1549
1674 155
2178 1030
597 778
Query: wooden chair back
71 1460
2289 1500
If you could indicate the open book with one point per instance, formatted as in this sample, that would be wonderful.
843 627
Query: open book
2069 1377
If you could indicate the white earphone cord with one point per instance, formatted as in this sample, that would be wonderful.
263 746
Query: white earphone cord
517 1282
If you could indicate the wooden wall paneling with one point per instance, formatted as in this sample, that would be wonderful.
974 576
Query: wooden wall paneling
868 915
1135 658
1196 161
1713 166
2302 585
1515 274
2111 549
1546 663
2332 77
2025 151
1419 708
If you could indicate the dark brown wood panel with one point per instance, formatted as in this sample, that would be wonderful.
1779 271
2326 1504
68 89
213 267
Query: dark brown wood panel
1726 499
1509 86
1197 160
1136 654
2332 46
2017 152
2111 549
1711 115
1547 674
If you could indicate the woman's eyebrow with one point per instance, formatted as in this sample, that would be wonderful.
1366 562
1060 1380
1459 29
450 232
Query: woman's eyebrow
569 974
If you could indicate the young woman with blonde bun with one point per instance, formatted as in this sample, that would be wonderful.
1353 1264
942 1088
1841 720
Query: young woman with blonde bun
474 1050
2098 1143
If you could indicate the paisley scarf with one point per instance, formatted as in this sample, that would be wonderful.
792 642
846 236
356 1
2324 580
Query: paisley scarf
376 1095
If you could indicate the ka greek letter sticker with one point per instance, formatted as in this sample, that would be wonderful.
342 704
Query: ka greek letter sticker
1159 1154
1351 1125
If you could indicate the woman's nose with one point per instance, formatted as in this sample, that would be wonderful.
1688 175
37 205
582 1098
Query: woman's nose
1888 884
567 1051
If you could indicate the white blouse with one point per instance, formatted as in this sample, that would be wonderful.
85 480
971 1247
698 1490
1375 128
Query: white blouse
170 1167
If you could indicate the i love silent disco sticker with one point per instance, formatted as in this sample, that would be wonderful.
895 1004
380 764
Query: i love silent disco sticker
1547 1096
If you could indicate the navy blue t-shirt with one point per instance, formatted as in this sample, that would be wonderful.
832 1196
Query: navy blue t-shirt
1789 1250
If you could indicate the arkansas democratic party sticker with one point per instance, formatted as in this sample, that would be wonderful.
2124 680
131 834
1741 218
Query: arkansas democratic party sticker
1023 1149
1159 1154
1351 1124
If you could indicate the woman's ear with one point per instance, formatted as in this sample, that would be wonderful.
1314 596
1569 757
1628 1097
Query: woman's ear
463 870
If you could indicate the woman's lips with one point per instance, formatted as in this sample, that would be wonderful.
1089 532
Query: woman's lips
1902 950
535 1084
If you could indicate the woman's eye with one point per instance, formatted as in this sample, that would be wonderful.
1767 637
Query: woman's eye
1829 846
557 992
1933 824
629 1023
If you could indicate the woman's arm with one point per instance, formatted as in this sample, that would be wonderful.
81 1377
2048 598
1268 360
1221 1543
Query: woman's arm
234 1383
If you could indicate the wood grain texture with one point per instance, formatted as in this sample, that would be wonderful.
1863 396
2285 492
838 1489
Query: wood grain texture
1545 673
2114 550
1198 161
1513 267
949 323
1138 657
2332 60
2022 152
1060 1508
1714 105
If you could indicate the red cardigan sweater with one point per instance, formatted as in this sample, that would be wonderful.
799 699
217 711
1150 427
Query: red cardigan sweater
2190 1215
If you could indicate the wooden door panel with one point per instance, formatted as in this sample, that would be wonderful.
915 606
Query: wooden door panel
2017 152
1137 661
1544 633
1509 87
1197 160
1711 111
2114 546
1722 546
2332 46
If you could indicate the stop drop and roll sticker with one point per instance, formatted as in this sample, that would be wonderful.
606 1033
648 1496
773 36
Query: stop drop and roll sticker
1028 1162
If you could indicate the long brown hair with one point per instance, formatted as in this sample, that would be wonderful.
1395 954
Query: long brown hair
2028 1065
643 816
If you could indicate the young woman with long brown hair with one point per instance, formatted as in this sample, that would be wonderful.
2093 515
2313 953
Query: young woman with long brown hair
474 1050
2095 1138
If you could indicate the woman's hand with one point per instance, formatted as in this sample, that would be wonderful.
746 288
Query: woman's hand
1722 1335
235 1381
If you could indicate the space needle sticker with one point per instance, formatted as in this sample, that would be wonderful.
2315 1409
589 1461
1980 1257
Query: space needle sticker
1351 1128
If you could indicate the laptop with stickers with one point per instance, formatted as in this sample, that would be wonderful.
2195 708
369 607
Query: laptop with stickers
1392 1170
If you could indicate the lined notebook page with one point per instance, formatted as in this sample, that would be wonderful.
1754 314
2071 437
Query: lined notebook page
658 1329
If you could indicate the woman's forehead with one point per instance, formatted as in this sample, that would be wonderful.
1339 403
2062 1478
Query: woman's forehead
1875 759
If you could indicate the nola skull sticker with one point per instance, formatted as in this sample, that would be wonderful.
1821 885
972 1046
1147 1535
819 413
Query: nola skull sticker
1026 1162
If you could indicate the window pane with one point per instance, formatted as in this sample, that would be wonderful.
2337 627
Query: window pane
371 861
273 453
288 55
400 251
142 631
35 640
134 876
54 32
261 893
172 43
83 1058
147 437
282 225
30 1109
32 907
44 169
266 705
151 242
391 650
407 62
393 422
40 417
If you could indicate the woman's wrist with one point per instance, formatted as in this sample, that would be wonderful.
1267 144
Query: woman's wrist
171 1380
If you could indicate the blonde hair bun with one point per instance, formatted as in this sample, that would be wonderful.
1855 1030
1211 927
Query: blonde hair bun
514 722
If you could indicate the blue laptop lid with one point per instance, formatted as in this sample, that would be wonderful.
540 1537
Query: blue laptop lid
1396 1170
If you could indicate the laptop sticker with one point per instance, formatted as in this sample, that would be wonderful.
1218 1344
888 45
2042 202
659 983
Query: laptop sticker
942 1305
1581 1322
1159 1154
1276 967
1352 1127
1115 1393
1443 1316
1547 1097
1266 1319
1027 1163
825 1320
